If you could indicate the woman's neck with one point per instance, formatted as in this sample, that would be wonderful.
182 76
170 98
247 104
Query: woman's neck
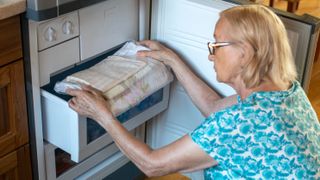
266 85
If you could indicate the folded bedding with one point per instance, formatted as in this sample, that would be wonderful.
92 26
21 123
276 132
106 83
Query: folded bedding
124 79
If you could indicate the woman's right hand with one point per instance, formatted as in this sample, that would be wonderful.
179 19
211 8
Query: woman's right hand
91 103
158 52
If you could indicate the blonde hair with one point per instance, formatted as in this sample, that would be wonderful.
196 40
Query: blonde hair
264 31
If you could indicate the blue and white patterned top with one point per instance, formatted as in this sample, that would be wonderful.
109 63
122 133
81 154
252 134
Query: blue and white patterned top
268 135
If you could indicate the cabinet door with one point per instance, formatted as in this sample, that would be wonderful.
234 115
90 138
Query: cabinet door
13 114
8 166
16 165
10 40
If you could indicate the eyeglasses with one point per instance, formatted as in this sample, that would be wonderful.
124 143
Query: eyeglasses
213 46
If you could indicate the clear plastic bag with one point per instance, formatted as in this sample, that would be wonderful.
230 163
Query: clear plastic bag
123 90
62 86
130 49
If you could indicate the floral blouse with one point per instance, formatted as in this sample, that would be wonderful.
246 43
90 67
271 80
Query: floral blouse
268 135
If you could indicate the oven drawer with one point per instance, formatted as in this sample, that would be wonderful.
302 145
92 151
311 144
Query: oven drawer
59 166
104 162
81 136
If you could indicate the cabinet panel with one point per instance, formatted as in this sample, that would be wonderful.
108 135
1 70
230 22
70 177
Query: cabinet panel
24 163
13 118
4 115
10 40
8 166
16 165
7 138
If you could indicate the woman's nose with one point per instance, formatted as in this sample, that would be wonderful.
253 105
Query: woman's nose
211 57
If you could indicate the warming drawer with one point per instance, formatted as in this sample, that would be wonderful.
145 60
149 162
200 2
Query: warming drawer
81 136
101 164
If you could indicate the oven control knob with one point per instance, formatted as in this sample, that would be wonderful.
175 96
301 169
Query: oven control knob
50 34
67 28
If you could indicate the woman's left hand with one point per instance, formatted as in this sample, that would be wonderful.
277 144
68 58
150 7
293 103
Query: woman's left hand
91 103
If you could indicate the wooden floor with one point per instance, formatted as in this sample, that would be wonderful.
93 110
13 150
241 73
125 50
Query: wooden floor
314 90
175 176
311 7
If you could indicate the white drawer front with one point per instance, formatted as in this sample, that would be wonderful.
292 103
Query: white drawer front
68 131
97 166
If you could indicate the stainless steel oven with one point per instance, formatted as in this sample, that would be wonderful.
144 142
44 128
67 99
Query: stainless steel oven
65 36
68 145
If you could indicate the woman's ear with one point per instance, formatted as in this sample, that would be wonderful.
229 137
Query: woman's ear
247 53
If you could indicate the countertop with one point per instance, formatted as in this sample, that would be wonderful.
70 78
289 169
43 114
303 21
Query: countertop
10 8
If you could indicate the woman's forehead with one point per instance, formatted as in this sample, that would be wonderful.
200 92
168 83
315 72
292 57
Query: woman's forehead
222 29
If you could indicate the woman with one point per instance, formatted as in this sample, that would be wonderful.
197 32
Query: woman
267 130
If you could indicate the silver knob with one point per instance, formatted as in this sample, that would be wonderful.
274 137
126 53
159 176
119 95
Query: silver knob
50 34
67 28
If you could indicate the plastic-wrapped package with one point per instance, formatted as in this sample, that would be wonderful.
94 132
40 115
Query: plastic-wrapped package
125 80
130 49
62 86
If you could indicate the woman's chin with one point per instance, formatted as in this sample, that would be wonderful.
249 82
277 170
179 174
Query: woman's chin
218 79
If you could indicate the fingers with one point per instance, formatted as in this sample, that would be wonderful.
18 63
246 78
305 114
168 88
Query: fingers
84 89
144 53
73 105
80 107
73 92
153 45
88 88
82 103
92 90
147 43
157 50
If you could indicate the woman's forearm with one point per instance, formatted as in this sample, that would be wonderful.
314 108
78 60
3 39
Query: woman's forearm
182 155
137 151
200 93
